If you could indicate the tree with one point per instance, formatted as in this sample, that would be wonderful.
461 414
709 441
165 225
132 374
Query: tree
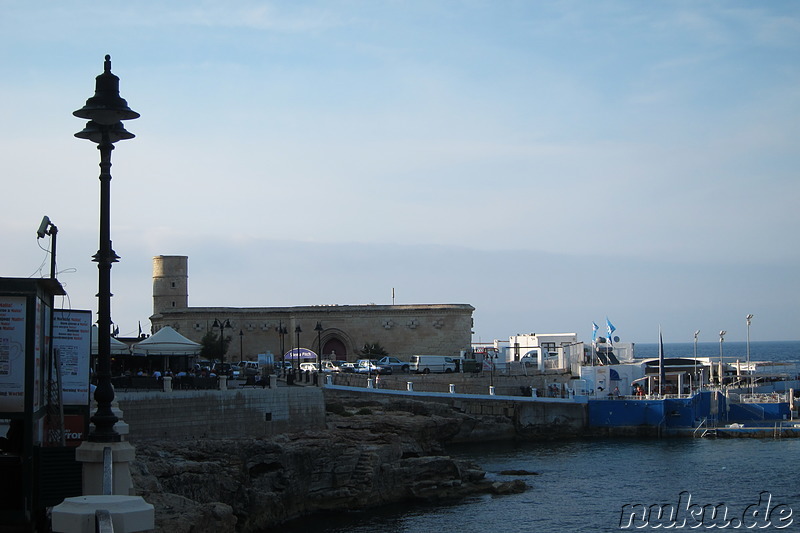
212 348
373 350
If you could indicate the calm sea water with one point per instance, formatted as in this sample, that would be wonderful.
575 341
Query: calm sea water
759 351
582 485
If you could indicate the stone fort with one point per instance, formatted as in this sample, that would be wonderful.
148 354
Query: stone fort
335 331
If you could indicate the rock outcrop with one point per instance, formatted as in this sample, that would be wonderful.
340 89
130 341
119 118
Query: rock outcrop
370 455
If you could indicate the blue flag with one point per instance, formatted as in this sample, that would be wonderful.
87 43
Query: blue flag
611 329
595 327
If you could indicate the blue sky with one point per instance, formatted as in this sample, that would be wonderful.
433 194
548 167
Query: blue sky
551 163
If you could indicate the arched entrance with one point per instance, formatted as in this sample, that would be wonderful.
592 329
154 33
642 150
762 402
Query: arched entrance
334 346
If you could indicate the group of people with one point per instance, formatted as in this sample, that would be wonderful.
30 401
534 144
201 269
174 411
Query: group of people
157 374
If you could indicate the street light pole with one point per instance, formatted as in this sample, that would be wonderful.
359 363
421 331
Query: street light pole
318 328
281 332
721 340
748 318
297 332
696 377
105 112
221 325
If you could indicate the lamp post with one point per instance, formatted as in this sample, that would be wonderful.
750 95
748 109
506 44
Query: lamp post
221 325
696 377
241 345
105 112
748 318
721 340
281 333
318 328
297 332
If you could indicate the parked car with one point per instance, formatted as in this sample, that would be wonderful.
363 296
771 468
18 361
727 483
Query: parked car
221 369
235 371
371 366
335 366
203 365
249 368
394 363
309 367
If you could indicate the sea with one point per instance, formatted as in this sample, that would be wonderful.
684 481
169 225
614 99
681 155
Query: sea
788 351
601 485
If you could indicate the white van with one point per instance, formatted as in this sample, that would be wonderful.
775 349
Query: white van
425 364
248 368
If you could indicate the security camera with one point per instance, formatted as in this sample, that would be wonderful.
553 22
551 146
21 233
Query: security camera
42 231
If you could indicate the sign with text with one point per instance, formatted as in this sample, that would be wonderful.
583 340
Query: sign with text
12 353
72 340
75 427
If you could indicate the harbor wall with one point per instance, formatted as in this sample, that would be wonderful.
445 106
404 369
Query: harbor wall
514 416
215 414
762 411
464 382
619 417
256 412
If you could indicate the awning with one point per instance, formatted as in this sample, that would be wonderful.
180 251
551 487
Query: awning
117 347
167 341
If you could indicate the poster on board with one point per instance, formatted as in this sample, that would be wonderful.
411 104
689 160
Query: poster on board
72 339
12 353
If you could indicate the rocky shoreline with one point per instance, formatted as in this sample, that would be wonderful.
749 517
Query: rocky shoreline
371 454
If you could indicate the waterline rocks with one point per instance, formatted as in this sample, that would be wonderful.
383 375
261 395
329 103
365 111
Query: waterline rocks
368 456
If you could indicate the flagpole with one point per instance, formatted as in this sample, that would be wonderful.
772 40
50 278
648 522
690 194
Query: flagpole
660 363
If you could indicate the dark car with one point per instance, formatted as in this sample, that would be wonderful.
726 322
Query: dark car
394 363
221 369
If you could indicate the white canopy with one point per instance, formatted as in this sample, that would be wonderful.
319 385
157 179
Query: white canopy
117 347
167 341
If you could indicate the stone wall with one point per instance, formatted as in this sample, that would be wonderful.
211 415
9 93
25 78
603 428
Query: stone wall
501 418
465 383
256 412
249 412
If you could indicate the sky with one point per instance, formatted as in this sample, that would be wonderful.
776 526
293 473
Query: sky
552 163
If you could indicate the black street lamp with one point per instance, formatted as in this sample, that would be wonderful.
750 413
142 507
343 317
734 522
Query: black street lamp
721 371
297 332
748 318
219 324
282 331
105 112
241 345
318 328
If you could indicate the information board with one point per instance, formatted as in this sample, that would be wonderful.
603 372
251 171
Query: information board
12 353
72 340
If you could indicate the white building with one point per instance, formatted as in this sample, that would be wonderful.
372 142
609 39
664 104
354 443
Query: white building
563 351
549 351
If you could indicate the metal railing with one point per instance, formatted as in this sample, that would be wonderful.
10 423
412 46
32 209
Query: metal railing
771 397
